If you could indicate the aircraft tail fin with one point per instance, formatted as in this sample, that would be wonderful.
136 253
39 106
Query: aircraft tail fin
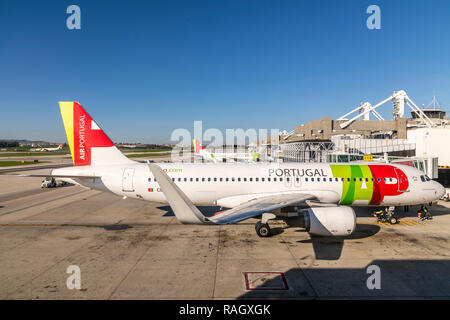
201 151
197 146
89 145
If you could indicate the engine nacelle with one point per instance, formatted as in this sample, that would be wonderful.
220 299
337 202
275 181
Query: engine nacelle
329 221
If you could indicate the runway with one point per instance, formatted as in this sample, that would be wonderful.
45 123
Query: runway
131 249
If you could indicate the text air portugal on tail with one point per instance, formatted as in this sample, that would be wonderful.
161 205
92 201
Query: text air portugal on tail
89 145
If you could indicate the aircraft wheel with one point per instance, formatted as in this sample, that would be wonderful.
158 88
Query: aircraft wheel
263 230
393 220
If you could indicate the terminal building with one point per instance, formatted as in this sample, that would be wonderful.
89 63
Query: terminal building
418 137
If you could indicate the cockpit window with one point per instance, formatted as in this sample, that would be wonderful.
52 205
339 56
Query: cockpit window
427 178
422 178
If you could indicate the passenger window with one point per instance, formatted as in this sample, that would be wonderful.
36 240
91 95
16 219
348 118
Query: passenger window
203 179
297 179
245 179
251 179
360 179
149 179
390 179
275 179
239 179
220 179
179 179
215 179
262 179
281 179
336 179
191 179
173 179
232 179
256 179
312 179
384 179
226 179
306 179
379 179
348 179
268 179
367 179
196 179
185 179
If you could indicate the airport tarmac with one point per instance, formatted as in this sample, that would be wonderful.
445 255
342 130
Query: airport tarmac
131 249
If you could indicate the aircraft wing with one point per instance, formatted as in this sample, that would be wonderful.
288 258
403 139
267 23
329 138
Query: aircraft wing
187 212
258 206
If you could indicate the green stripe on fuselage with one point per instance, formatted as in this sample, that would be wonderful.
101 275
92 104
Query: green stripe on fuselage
354 190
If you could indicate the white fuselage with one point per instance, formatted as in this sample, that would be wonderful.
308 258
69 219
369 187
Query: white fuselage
229 185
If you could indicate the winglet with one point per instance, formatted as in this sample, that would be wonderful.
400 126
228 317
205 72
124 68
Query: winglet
185 211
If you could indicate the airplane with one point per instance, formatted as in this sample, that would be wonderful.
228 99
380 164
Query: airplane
48 149
199 150
316 196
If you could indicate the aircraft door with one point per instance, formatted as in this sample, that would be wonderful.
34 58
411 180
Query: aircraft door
402 180
127 180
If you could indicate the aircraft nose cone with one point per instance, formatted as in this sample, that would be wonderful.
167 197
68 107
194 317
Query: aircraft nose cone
440 190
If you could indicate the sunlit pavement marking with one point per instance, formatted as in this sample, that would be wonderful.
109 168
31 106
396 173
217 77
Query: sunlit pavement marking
265 281
410 222
405 222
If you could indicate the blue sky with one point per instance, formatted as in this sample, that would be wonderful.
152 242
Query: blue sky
145 68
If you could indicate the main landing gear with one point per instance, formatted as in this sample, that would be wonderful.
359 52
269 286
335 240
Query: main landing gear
262 227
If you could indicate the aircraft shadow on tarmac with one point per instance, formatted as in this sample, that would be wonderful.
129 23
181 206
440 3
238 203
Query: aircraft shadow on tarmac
410 279
435 209
207 211
325 248
330 248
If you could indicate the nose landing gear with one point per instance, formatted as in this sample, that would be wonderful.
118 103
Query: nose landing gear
386 215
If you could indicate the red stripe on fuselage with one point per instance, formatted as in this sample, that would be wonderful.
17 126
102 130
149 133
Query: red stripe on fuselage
381 188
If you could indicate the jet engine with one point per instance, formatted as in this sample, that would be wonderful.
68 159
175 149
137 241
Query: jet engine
328 221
